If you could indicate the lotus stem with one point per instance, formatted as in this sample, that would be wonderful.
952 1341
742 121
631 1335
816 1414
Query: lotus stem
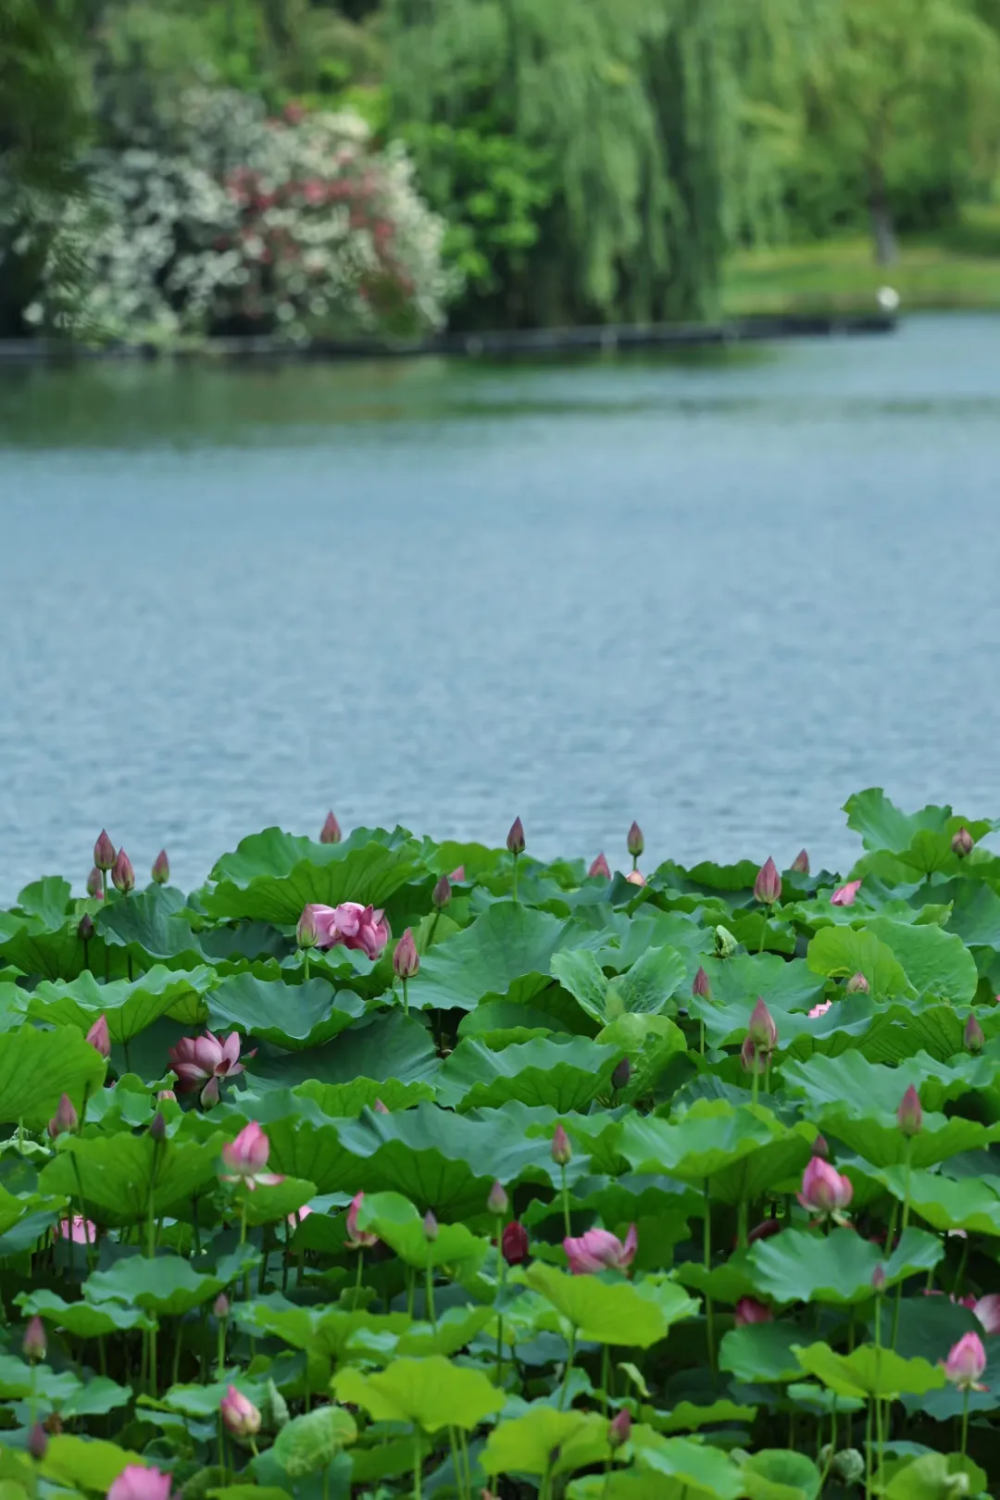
709 1310
565 1200
430 1296
908 1153
406 997
514 887
357 1283
417 1467
569 1367
965 1422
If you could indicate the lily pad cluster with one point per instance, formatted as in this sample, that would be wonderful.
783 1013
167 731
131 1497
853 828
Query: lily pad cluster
380 1167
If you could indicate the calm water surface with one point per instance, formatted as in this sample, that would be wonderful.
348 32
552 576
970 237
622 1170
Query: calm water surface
717 595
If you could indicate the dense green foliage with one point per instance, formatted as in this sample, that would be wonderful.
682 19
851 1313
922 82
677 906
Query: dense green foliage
573 1183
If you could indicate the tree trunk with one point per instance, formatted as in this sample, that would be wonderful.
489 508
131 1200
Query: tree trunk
883 231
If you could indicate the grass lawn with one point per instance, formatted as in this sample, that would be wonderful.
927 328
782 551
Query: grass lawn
958 267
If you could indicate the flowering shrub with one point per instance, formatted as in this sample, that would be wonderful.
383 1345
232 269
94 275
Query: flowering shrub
223 220
520 1213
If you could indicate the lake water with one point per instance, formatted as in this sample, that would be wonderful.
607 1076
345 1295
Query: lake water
715 594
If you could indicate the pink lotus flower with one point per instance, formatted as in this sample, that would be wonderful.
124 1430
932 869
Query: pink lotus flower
136 1482
962 843
514 1244
198 1059
824 1190
99 1037
441 894
246 1157
973 1038
752 1059
239 1414
965 1363
846 895
330 832
352 925
161 868
620 1429
635 843
800 864
767 886
749 1310
34 1344
599 869
600 1250
635 877
78 1229
820 1009
910 1115
358 1239
562 1150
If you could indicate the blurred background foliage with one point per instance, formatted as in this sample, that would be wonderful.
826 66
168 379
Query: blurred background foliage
593 160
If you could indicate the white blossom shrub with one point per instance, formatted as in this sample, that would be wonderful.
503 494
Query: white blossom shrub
223 220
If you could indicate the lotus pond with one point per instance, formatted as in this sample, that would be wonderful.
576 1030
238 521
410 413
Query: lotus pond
378 1167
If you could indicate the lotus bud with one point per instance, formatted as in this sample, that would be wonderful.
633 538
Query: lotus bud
98 1036
123 874
514 1243
620 1429
457 875
820 1148
307 933
878 1278
767 886
158 1128
635 841
749 1311
600 869
858 985
562 1151
38 1442
498 1202
441 894
515 838
751 1060
762 1030
167 1094
725 944
239 1414
330 832
635 877
800 864
849 1466
64 1121
95 885
430 1227
380 1108
909 1115
622 1074
220 1307
104 852
972 1036
966 1362
701 987
963 843
35 1344
406 959
85 930
161 868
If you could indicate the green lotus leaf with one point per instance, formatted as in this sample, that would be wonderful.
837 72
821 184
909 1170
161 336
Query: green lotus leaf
167 1285
740 1151
649 1043
579 971
344 1101
310 1442
324 1331
633 1484
17 1381
47 900
274 1204
82 1319
612 1313
844 951
96 1399
761 1352
455 1328
395 1220
703 1468
859 1086
274 852
13 1210
776 1474
115 1175
76 1463
796 1266
38 1067
686 1416
432 1393
936 962
368 873
388 1459
546 1441
150 926
378 1047
882 825
566 1073
296 1016
129 1008
930 1477
870 1371
728 1282
944 1203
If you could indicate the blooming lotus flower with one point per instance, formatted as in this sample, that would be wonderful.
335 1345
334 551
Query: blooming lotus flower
99 1037
600 1250
749 1310
857 985
635 877
800 864
762 1030
358 1239
406 959
95 885
515 838
962 843
972 1037
330 832
136 1482
635 841
104 852
246 1157
64 1121
767 886
701 987
514 1243
123 874
965 1363
846 895
820 1009
161 868
441 894
351 925
239 1414
562 1150
202 1059
78 1229
909 1115
600 869
824 1190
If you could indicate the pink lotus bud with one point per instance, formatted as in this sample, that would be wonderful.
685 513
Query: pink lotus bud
749 1310
441 894
167 1094
104 852
406 959
358 1239
514 1243
95 885
35 1344
330 832
966 1362
620 1429
972 1037
858 985
820 1148
600 869
800 864
599 1250
635 877
909 1115
515 838
762 1030
246 1158
752 1060
562 1151
64 1121
380 1108
220 1307
85 930
622 1074
158 1127
239 1414
457 875
123 874
136 1482
497 1203
98 1036
846 895
963 843
824 1190
764 1231
878 1278
161 868
701 987
635 841
307 932
38 1442
430 1227
767 886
